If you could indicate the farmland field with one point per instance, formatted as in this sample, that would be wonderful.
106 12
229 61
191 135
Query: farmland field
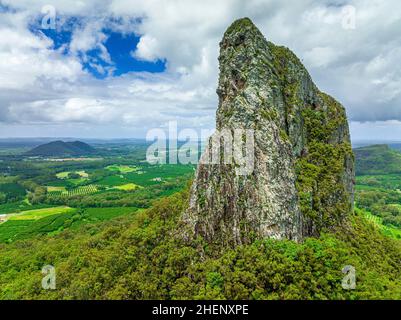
61 191
65 174
32 222
147 175
127 187
378 188
55 189
20 206
390 231
47 196
54 201
390 181
55 220
122 168
39 213
62 175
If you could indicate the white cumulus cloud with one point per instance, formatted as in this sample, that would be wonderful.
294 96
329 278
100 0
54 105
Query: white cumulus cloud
354 58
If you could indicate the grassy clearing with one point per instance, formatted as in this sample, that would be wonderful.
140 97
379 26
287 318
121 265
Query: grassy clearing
22 229
127 187
122 168
39 213
82 173
78 181
62 175
55 189
65 174
13 230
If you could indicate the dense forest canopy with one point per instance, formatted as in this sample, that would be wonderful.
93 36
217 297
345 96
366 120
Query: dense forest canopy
141 256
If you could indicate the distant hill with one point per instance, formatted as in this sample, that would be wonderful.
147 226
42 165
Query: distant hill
61 149
377 159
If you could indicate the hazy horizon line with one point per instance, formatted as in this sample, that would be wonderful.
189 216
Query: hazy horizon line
144 138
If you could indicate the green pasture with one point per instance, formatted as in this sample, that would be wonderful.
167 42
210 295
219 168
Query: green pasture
127 187
388 181
50 224
39 213
122 168
65 174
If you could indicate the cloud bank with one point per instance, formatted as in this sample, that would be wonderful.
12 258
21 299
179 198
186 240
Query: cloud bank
351 48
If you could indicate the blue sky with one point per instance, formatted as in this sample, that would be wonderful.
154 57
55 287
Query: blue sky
120 47
119 68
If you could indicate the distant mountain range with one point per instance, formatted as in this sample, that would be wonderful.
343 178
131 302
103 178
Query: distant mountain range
62 149
377 159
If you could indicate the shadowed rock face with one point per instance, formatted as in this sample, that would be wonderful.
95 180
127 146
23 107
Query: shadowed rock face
302 164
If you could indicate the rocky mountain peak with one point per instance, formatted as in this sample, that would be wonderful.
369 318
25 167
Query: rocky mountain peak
301 161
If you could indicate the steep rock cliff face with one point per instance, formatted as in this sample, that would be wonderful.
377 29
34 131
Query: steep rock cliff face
302 166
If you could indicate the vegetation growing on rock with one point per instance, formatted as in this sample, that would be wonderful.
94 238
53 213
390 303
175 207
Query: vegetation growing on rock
303 178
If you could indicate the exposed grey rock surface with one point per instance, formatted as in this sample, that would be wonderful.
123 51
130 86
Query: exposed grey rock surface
302 177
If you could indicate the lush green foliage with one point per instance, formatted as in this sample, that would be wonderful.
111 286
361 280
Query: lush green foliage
144 257
112 182
105 248
60 148
55 220
323 147
320 170
380 193
388 230
377 159
10 192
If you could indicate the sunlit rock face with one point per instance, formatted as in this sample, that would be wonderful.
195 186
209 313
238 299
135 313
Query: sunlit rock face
298 174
